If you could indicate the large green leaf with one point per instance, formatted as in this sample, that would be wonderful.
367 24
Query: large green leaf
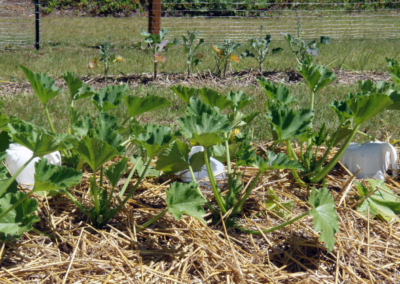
51 177
107 130
383 203
205 129
18 220
42 84
176 158
276 162
185 93
324 213
138 105
276 93
364 106
138 162
42 143
95 151
116 171
316 76
214 99
239 100
109 97
155 139
197 108
77 89
184 198
288 123
382 87
82 126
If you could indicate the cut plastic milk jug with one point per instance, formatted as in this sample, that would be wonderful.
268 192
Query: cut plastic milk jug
217 167
373 158
18 155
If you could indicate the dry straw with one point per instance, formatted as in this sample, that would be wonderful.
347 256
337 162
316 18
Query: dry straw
187 251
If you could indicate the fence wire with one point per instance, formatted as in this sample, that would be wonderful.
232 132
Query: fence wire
315 20
17 24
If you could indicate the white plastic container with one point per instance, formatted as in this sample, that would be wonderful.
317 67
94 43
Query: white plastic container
18 155
217 167
373 158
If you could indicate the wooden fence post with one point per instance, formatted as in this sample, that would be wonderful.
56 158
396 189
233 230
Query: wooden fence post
154 16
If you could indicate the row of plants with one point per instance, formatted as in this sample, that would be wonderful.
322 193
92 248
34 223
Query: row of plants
225 54
219 123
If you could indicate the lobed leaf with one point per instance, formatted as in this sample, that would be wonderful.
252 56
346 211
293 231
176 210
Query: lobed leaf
183 198
42 84
324 213
18 220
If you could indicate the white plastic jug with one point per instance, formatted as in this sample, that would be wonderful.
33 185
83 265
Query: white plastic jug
217 167
18 155
373 158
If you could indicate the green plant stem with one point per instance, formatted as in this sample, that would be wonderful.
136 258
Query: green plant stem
256 232
14 176
76 202
312 100
16 204
93 192
137 183
335 158
366 135
240 204
151 221
121 193
80 164
293 155
49 120
318 165
101 175
126 142
209 205
52 128
211 177
228 157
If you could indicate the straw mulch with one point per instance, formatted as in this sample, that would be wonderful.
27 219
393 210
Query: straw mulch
187 251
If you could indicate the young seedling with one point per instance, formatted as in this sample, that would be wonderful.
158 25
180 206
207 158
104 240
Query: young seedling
260 48
155 44
303 51
224 53
190 46
107 57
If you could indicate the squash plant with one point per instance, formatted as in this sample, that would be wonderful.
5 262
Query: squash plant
205 125
155 44
16 209
190 45
224 53
292 124
260 48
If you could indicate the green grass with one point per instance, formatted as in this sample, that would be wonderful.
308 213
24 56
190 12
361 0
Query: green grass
70 43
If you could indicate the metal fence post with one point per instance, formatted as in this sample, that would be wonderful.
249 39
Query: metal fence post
154 16
37 42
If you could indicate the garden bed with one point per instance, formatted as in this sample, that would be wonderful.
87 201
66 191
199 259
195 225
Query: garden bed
188 251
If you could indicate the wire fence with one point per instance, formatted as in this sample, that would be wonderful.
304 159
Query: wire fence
340 24
17 24
220 19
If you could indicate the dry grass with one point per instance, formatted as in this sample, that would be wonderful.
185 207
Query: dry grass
187 251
